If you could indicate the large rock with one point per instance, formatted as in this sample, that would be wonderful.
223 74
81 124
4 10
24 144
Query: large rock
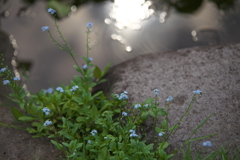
215 70
16 144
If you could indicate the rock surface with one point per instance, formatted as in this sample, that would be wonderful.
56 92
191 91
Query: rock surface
17 144
215 70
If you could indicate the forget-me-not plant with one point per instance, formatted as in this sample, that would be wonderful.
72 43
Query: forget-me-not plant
5 82
45 28
47 123
3 69
207 144
60 89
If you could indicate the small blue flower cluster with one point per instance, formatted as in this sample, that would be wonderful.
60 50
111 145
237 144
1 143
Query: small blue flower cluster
122 95
124 113
137 105
89 25
156 92
146 105
90 59
45 28
49 90
170 98
3 69
93 132
197 92
60 89
133 133
85 66
16 78
5 82
161 134
207 144
47 123
51 11
74 88
46 110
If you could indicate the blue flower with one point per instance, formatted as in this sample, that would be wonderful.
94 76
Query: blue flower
146 105
6 82
46 110
133 133
89 25
45 28
16 79
60 89
90 59
207 144
124 113
51 11
93 133
49 90
170 98
123 96
47 123
74 88
105 137
161 134
156 92
89 141
125 92
197 92
3 69
85 66
137 105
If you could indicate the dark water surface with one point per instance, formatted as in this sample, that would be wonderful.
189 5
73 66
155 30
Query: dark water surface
120 32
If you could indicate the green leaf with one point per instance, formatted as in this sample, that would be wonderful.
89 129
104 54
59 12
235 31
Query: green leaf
26 118
200 125
121 154
97 73
85 59
148 148
31 130
81 119
78 69
164 124
191 140
57 145
106 69
158 129
163 145
79 145
65 144
173 127
72 144
149 100
169 156
16 113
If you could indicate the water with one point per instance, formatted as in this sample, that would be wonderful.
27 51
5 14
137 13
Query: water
120 32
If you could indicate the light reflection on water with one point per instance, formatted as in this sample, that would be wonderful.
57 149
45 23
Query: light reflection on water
120 32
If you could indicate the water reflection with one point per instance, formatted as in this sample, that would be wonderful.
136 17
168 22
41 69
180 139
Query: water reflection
119 33
206 36
129 14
